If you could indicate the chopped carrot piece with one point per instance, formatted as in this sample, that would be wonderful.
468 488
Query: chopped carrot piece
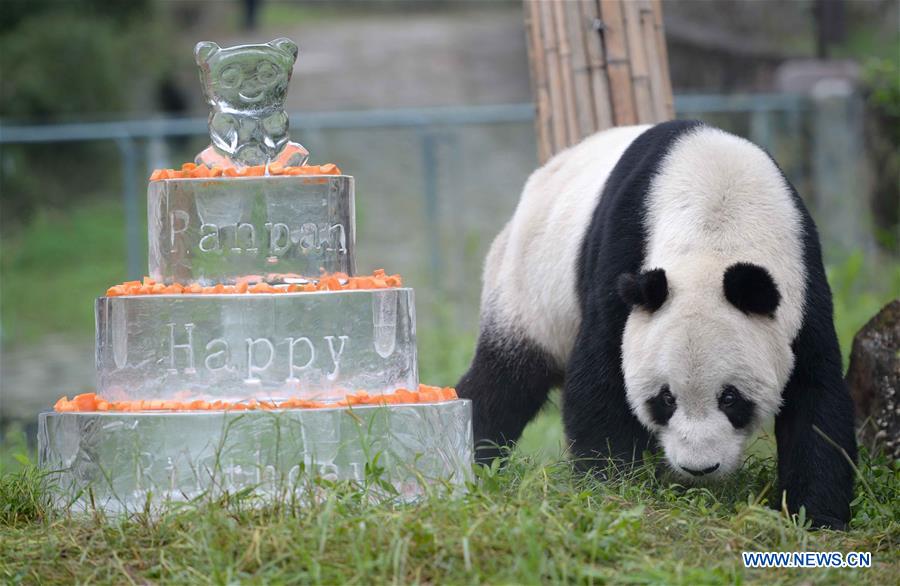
429 394
406 396
85 401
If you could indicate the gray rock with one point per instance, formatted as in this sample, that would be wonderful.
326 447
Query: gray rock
874 379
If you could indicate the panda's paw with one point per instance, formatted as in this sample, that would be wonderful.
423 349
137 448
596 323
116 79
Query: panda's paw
828 522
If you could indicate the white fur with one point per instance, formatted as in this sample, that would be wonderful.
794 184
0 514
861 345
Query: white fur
717 200
530 272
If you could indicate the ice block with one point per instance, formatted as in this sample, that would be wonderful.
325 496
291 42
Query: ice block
215 230
123 461
265 346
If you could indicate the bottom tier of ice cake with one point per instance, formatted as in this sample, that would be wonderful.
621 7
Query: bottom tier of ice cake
126 462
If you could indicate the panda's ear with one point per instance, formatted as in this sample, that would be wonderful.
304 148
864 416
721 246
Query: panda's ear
286 45
751 289
204 50
648 289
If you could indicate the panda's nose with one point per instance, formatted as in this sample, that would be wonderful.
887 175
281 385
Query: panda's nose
702 472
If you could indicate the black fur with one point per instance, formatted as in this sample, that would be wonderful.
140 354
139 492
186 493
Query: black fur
648 289
751 289
508 382
660 410
812 472
741 411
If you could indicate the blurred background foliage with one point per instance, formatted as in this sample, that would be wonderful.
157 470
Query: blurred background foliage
65 62
62 234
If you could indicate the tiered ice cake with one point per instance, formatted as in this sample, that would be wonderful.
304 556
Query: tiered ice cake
252 357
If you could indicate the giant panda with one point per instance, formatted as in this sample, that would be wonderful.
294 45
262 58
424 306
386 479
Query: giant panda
669 280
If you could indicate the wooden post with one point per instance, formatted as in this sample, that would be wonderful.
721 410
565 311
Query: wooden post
595 64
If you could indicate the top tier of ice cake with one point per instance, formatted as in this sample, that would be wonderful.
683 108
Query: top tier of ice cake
277 228
250 210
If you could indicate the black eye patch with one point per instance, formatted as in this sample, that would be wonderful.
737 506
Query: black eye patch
662 406
737 408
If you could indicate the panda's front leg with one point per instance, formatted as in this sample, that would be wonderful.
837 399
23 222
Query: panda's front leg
815 429
599 423
816 442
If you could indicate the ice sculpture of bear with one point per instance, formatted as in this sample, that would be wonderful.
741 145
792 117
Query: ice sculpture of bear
246 87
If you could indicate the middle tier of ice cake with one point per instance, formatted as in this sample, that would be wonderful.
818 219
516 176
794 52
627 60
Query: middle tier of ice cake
241 346
218 230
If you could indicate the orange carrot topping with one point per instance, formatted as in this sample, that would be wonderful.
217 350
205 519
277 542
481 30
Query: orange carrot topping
333 282
88 402
193 171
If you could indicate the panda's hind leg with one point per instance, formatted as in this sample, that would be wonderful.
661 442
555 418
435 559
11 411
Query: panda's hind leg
508 383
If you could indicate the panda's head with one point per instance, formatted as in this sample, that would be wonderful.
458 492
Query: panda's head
703 359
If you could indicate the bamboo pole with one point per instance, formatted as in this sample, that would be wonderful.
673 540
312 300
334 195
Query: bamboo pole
567 77
581 69
640 70
595 64
649 39
602 106
617 63
554 77
665 88
538 81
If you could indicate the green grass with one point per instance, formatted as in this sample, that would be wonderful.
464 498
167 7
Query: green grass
529 522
